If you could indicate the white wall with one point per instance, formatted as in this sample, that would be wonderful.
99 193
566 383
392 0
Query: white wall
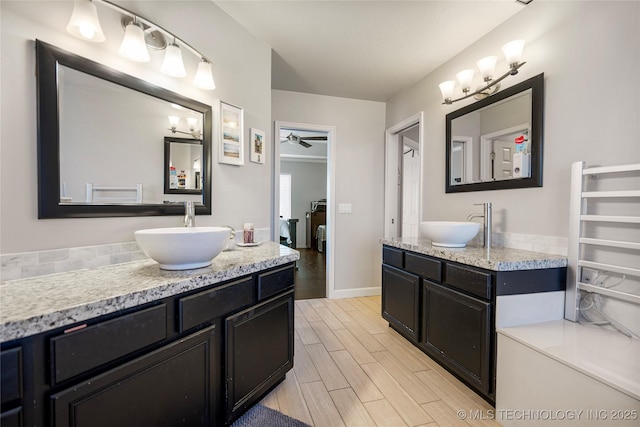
242 71
590 54
359 177
308 184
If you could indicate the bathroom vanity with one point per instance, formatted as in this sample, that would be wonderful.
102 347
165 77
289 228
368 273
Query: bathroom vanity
447 302
133 345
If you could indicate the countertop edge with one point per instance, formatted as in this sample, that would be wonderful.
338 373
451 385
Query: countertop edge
495 259
12 329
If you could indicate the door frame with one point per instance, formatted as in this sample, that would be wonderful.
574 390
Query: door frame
331 191
392 164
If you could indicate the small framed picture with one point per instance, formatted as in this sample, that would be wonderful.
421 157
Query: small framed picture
257 145
231 149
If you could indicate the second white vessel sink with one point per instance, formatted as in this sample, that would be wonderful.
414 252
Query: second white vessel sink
182 248
449 234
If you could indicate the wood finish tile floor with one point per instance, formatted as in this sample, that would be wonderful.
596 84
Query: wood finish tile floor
351 370
310 275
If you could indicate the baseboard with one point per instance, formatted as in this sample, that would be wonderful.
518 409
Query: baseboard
357 292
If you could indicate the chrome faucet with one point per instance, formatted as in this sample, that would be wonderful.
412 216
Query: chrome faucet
487 222
231 245
189 214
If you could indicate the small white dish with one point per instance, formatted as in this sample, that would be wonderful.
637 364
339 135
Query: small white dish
248 245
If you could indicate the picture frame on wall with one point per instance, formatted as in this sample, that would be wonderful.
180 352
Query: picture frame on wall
258 141
231 149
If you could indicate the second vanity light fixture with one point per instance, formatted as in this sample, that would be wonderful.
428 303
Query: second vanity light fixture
138 34
513 54
192 122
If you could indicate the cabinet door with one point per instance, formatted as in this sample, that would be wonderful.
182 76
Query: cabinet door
457 331
401 301
259 351
168 387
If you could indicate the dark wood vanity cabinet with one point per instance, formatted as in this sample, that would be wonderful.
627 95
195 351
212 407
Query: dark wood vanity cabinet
168 387
259 351
457 331
199 358
401 301
448 309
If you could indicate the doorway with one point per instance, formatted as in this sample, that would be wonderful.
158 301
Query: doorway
303 161
403 177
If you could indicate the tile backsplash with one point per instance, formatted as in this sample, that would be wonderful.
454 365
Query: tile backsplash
31 264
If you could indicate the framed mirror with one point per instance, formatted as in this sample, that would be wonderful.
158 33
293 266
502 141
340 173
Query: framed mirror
496 143
100 141
182 166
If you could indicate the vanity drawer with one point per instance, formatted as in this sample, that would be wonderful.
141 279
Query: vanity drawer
423 266
11 374
274 281
83 348
470 280
205 306
393 257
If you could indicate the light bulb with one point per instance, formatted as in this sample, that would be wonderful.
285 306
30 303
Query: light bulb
133 45
84 22
487 66
204 76
173 64
447 89
513 52
465 78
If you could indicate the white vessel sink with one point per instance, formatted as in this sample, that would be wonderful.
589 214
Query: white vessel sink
449 234
182 248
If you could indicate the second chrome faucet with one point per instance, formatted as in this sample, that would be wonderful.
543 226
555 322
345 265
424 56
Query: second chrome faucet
486 215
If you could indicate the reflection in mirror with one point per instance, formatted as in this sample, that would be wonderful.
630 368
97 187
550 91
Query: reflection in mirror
100 141
496 143
182 166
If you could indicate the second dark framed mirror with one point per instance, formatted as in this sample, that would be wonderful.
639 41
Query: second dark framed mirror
182 165
496 143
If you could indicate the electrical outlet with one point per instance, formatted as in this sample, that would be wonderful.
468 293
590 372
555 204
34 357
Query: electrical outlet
589 275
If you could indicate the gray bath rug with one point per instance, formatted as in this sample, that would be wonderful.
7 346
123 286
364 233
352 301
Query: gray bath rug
261 416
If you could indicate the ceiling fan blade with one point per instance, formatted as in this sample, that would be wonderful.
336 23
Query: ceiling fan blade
314 138
304 144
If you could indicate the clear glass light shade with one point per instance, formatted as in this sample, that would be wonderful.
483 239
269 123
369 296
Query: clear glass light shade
513 51
447 89
193 122
84 22
173 121
172 64
204 76
465 78
133 45
487 67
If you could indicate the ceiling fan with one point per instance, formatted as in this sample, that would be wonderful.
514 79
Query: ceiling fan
295 139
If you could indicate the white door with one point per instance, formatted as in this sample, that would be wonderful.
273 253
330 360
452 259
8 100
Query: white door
410 191
503 159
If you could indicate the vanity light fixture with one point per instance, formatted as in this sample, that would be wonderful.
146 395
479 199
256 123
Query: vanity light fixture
140 33
513 55
174 121
84 22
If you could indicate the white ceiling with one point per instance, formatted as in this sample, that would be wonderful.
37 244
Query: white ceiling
364 49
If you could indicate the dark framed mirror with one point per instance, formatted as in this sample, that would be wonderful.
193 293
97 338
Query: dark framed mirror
100 141
182 166
496 143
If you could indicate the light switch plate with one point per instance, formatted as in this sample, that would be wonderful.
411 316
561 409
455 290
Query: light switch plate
344 208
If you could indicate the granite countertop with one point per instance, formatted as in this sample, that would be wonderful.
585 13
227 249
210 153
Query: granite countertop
31 306
496 259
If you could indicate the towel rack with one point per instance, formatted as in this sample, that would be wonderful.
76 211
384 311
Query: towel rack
119 194
580 216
